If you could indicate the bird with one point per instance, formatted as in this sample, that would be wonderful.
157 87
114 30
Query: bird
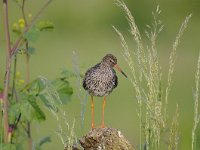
100 80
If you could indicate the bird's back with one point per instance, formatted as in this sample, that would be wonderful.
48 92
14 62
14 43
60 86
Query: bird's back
100 80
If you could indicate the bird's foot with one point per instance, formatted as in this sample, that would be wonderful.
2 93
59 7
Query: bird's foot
100 126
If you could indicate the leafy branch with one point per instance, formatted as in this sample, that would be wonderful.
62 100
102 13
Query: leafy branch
28 26
20 106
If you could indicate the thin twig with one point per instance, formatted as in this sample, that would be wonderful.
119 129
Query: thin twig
23 12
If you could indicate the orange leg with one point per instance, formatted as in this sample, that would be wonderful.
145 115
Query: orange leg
103 107
92 106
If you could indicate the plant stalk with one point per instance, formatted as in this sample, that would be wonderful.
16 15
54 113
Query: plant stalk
30 141
8 68
14 79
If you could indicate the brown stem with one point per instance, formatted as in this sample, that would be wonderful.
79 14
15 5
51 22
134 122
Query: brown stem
14 78
26 45
23 12
8 67
30 142
14 94
27 64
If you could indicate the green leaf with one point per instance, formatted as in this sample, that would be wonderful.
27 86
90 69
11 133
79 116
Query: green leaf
26 110
64 89
31 50
8 146
32 34
42 141
66 74
35 87
38 113
16 31
14 111
30 109
44 90
19 146
47 103
45 26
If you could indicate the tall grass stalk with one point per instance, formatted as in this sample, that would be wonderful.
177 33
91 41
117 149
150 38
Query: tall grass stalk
65 130
146 77
134 79
196 105
80 93
174 133
172 58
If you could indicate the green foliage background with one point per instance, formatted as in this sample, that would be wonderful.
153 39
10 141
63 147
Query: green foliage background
86 27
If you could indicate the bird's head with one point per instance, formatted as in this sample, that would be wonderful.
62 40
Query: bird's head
111 60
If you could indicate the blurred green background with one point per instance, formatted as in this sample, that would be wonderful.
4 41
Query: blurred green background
85 26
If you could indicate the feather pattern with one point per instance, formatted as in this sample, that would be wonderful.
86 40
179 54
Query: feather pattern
100 80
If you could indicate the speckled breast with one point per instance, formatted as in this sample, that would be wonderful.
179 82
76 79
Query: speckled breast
100 81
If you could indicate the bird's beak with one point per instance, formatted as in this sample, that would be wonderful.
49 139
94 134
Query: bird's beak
120 70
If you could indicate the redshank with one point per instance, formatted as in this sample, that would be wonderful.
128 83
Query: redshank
100 80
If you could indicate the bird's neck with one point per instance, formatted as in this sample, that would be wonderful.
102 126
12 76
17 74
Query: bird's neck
103 64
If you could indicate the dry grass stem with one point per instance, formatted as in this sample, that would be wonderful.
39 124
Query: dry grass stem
196 105
134 79
172 57
174 134
149 90
141 56
65 131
